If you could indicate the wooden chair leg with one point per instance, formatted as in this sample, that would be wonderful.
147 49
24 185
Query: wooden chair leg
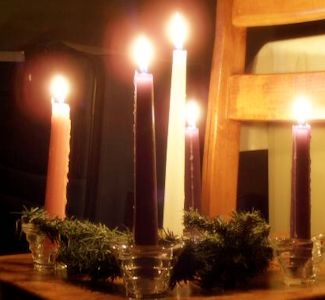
221 153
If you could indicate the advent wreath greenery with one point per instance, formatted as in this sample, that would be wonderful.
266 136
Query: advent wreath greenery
216 253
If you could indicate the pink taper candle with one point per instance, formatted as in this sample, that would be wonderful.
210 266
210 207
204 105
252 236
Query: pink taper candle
145 183
58 163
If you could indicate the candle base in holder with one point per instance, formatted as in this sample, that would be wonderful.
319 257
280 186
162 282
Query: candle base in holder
44 251
146 270
298 259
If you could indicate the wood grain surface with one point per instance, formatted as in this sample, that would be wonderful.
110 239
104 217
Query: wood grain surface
221 149
271 97
18 271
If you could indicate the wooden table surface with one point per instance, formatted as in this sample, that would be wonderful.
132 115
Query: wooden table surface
17 270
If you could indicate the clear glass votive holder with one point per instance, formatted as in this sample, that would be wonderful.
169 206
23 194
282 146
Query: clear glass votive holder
146 270
44 251
299 259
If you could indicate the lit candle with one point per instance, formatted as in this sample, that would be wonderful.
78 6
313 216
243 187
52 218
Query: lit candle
175 157
192 158
58 163
300 189
145 200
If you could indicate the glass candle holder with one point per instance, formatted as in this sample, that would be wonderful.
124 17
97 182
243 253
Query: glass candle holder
299 259
44 251
146 269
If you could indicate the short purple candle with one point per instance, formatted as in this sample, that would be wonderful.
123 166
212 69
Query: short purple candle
300 190
145 183
192 169
192 158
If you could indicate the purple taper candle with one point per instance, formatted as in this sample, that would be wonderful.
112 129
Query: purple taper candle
192 160
145 184
300 222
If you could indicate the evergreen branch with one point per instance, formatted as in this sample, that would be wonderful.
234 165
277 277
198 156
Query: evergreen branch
216 254
228 253
85 248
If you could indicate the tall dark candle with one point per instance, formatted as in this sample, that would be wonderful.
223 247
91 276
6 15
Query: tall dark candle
192 169
145 183
300 190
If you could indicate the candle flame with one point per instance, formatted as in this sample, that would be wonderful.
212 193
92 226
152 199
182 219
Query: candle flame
142 52
178 30
59 88
302 109
192 113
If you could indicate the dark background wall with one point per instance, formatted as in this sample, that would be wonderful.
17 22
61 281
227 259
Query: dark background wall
89 40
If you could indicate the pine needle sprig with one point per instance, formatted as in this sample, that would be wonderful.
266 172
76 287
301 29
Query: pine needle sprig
228 252
85 248
42 221
168 238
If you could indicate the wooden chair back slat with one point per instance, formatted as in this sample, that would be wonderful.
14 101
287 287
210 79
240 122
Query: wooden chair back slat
252 13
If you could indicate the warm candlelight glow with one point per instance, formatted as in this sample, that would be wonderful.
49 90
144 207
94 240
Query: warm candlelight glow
178 30
59 88
192 113
302 109
142 53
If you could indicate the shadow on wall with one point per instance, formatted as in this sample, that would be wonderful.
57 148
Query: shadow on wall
252 188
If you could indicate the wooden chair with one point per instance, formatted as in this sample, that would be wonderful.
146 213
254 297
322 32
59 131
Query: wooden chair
235 96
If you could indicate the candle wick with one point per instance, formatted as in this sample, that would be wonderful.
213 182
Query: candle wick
143 69
56 99
179 46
